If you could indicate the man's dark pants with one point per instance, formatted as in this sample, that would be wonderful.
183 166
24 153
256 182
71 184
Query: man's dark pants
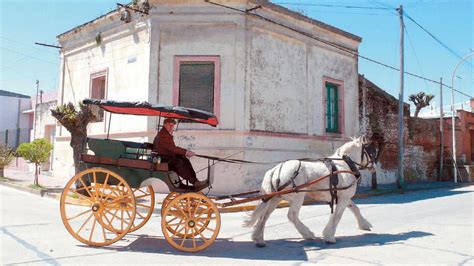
181 166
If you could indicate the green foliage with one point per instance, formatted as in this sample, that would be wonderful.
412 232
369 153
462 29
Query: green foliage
36 151
72 118
6 155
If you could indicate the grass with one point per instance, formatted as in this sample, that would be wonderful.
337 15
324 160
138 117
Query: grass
38 187
4 178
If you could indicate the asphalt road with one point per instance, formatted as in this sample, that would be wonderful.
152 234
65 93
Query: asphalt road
424 227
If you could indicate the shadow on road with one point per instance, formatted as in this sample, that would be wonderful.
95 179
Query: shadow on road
282 249
411 196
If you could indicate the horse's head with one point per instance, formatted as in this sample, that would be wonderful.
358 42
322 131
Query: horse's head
362 152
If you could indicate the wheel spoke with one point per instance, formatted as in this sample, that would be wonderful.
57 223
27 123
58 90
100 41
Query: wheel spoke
185 235
143 205
80 214
139 214
92 230
82 226
142 196
82 196
85 187
200 233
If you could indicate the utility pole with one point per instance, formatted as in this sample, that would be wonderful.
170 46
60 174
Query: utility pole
36 105
400 180
441 130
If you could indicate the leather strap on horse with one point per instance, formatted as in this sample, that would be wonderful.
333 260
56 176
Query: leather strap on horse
333 182
290 181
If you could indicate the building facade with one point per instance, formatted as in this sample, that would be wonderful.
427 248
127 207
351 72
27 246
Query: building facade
15 120
278 90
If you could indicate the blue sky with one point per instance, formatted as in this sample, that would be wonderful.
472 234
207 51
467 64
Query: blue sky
24 22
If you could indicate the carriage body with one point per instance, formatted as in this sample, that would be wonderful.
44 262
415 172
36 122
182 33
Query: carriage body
131 160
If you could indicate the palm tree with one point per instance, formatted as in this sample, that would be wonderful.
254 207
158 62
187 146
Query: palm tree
421 100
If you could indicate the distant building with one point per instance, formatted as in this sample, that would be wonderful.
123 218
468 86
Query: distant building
15 119
45 123
277 93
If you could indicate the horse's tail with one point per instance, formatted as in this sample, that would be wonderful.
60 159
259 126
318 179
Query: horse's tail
256 214
263 206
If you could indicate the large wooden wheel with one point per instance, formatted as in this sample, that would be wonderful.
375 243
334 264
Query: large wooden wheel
145 202
190 222
97 207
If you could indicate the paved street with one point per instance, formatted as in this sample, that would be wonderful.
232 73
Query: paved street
424 227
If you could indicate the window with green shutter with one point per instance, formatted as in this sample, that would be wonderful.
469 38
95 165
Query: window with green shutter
332 108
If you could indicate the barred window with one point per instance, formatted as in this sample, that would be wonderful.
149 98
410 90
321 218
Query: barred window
196 85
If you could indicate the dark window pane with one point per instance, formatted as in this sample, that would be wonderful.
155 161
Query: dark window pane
196 85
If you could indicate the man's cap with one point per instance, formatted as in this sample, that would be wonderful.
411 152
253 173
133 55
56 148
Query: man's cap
169 120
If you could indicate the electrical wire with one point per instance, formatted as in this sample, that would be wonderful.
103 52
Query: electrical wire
334 45
414 52
16 52
326 5
434 37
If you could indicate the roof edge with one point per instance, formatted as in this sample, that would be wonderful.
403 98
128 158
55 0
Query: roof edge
297 15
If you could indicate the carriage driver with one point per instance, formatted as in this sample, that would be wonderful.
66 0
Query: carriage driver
176 157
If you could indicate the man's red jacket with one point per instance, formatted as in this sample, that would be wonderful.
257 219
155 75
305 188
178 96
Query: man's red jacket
164 144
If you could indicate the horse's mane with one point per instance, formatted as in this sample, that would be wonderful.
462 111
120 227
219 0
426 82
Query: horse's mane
343 149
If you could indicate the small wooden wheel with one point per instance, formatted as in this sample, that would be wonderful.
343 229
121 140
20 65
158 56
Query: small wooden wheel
145 202
190 222
171 196
97 207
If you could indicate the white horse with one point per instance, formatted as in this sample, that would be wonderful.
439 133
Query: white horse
293 173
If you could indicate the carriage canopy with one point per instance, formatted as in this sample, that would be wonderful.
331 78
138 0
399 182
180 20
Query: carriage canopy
147 109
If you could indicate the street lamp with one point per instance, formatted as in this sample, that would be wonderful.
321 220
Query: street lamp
452 115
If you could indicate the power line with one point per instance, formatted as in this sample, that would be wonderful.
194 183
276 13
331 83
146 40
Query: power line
434 37
336 6
335 45
414 52
13 51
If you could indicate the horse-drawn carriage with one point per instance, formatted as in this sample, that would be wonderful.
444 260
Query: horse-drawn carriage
114 196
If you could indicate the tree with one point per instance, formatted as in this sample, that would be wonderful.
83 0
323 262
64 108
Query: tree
421 100
75 121
6 157
36 152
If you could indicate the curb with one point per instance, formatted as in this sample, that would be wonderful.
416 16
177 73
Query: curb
40 192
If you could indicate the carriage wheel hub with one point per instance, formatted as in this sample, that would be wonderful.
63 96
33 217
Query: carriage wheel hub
95 207
191 223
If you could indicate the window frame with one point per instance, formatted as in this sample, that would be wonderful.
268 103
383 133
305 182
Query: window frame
93 76
339 86
178 59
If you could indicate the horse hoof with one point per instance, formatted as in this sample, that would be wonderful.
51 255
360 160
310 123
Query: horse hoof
330 241
260 245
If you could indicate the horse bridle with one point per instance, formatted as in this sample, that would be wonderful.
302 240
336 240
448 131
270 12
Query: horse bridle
370 152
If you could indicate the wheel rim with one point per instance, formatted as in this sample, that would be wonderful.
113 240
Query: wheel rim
171 196
190 222
101 210
145 202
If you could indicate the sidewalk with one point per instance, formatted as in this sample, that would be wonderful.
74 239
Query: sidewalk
53 186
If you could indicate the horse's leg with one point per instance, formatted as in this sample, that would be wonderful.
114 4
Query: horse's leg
295 201
361 221
257 235
330 229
